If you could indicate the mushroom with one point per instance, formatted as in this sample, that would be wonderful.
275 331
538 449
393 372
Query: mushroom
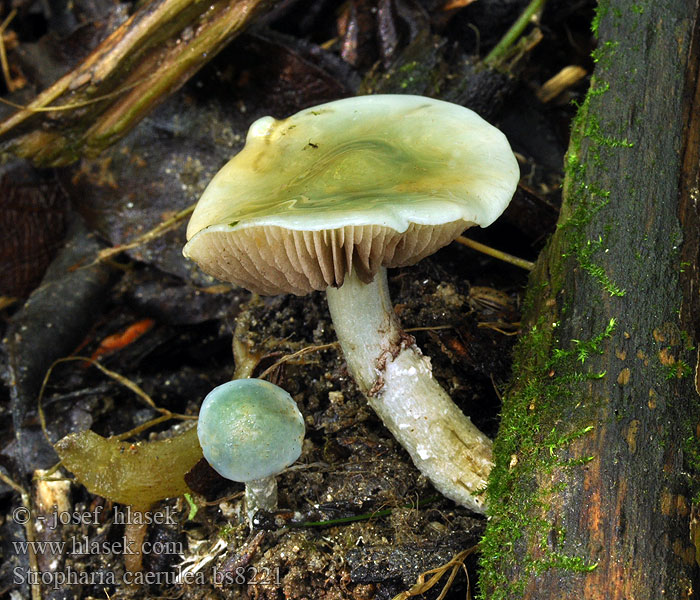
250 430
326 200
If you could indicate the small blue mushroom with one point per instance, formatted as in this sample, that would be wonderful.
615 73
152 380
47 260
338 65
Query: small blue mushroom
250 430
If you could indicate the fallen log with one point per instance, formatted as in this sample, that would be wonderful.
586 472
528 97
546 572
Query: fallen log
595 487
133 70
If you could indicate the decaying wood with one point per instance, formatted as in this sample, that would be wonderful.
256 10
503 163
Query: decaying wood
143 61
598 448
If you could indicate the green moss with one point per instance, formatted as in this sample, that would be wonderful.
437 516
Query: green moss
585 199
194 509
687 340
593 130
228 533
530 445
583 349
407 72
603 53
691 457
601 10
408 67
677 370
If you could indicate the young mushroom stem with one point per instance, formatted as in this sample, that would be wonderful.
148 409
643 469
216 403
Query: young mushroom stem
260 494
398 383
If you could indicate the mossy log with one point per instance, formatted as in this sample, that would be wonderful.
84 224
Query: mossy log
595 486
134 69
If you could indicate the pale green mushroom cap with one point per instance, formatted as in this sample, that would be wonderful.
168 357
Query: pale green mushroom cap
250 429
357 183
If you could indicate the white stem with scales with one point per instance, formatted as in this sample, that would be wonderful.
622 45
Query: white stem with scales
399 385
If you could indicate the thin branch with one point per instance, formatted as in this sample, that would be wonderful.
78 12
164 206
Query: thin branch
504 256
499 52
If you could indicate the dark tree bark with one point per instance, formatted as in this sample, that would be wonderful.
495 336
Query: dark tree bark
597 454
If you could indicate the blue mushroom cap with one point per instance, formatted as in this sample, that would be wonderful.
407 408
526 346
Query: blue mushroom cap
250 429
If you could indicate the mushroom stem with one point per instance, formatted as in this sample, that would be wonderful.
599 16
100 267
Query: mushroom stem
397 381
260 494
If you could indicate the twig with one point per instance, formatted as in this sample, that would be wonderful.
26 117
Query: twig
504 256
499 327
30 108
498 53
149 56
165 413
6 301
367 516
224 499
421 586
321 347
563 80
297 354
144 238
147 425
3 53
